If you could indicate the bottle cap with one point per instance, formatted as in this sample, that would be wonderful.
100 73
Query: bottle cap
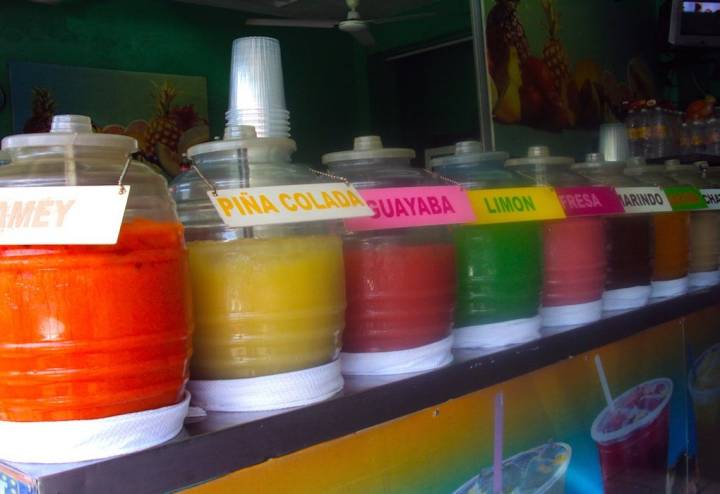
368 148
71 130
540 155
468 152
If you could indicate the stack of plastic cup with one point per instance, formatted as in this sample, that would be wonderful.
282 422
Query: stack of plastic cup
614 143
257 95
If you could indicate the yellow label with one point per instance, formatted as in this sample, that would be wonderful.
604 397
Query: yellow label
515 204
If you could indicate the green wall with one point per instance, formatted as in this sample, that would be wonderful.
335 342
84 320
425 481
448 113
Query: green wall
450 17
428 99
325 73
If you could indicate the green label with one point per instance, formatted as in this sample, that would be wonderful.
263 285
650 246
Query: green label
685 198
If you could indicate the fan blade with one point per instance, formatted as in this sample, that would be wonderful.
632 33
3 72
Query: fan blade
363 36
409 17
327 24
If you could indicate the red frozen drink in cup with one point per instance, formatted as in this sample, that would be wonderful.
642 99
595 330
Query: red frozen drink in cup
632 437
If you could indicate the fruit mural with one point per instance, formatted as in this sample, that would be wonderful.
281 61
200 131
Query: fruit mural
540 85
164 138
165 113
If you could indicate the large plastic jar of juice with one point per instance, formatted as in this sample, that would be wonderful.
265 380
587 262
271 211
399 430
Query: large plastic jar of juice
400 282
93 331
574 248
704 228
629 242
671 234
499 266
269 301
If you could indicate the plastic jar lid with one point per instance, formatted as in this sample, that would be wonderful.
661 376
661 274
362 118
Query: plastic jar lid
368 148
637 166
595 161
242 136
71 130
540 155
467 152
674 165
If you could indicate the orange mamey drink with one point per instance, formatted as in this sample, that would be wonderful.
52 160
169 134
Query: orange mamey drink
91 331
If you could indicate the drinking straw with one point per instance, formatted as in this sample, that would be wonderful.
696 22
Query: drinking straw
604 382
498 444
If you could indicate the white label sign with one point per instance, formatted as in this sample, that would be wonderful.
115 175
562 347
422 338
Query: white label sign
255 206
643 199
87 215
712 197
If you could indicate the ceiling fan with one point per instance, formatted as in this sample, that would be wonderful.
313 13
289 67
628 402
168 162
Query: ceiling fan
353 24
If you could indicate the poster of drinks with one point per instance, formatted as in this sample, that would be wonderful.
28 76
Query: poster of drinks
640 415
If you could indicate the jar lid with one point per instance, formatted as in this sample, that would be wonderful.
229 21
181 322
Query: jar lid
637 166
241 136
469 152
368 148
540 155
71 130
596 161
674 165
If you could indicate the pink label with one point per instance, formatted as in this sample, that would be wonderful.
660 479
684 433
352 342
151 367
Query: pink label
403 207
589 201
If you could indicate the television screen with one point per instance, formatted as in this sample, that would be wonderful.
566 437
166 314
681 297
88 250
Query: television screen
695 23
700 18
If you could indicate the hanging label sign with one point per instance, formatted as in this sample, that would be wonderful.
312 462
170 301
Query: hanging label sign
404 207
712 198
84 215
643 199
685 198
255 206
589 201
515 204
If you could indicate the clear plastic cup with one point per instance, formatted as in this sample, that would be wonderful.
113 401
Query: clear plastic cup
262 119
614 143
539 470
275 112
256 79
267 123
257 96
272 132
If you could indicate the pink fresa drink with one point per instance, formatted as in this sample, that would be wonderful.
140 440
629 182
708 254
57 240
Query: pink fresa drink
574 261
632 437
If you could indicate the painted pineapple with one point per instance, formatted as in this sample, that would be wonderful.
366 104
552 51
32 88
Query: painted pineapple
503 18
163 128
504 31
43 109
554 53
